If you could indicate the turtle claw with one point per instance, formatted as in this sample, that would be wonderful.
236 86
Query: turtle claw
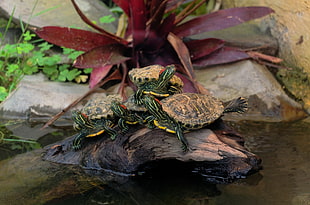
124 131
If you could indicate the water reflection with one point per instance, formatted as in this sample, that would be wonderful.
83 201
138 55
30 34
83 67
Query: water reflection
155 191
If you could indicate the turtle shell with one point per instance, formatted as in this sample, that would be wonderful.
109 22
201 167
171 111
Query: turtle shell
139 76
193 110
131 105
100 107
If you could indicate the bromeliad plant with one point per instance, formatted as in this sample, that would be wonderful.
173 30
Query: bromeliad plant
155 34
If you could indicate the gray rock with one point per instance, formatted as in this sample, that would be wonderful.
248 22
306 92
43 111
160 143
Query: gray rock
267 100
37 97
55 13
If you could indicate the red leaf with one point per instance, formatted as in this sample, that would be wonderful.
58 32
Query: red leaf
188 85
101 56
101 30
183 54
224 55
73 38
166 26
157 11
156 39
138 21
204 47
98 74
220 20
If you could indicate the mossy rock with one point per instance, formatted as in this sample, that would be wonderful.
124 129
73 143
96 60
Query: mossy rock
297 83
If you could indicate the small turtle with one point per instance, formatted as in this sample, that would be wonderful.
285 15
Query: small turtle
189 111
94 118
131 113
155 80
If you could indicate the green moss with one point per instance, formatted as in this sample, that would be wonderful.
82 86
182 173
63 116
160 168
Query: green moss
297 83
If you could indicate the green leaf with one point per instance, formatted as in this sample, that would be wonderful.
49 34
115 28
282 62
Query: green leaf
71 53
87 70
63 75
45 46
30 69
24 48
11 68
49 60
107 19
68 75
3 93
63 67
51 71
28 36
73 74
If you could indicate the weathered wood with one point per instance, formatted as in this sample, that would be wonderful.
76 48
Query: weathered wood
218 153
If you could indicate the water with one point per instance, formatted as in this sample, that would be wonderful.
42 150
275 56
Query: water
284 179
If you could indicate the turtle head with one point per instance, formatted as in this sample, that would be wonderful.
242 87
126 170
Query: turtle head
119 109
81 120
153 105
165 75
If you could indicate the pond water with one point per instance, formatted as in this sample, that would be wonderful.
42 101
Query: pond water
284 179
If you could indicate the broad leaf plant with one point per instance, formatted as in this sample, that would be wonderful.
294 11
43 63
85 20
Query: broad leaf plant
155 34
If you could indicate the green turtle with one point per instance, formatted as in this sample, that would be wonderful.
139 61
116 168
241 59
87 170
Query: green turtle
189 111
129 113
94 118
155 80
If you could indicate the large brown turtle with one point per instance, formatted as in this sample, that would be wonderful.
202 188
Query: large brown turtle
189 111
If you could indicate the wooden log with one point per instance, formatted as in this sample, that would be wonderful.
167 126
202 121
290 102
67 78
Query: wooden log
217 154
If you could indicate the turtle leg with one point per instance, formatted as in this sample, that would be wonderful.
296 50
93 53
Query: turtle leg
150 122
138 96
180 135
78 141
174 90
123 125
239 105
110 131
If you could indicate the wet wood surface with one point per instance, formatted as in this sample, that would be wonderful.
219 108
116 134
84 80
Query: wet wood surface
218 152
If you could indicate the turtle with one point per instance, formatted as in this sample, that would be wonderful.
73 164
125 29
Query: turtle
155 80
94 118
130 113
189 111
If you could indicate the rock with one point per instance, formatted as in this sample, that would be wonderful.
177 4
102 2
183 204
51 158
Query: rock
287 25
11 36
37 97
56 13
267 100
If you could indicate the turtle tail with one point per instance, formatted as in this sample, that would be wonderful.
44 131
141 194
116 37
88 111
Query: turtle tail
239 105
